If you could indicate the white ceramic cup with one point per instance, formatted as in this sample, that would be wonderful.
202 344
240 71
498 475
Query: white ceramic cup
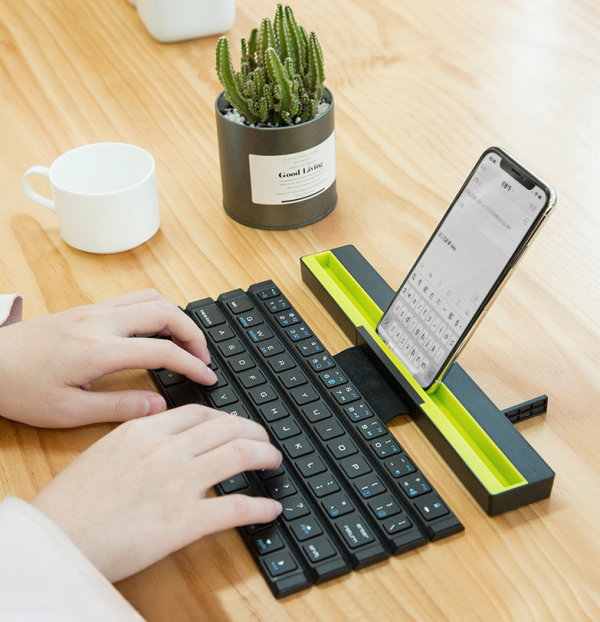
105 196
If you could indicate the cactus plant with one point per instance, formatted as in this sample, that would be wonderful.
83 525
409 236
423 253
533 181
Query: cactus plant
281 77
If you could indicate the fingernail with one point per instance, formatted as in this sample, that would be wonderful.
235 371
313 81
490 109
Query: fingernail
278 506
206 356
154 404
211 377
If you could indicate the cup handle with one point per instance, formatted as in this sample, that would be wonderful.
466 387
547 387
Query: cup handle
34 196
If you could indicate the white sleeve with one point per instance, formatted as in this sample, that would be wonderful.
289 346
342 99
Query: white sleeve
11 308
44 576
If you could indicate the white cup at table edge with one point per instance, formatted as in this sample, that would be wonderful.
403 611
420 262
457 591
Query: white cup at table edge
105 196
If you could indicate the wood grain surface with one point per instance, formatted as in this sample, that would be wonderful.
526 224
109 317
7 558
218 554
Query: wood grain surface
421 89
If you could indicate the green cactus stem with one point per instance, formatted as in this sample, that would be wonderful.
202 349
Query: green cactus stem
281 77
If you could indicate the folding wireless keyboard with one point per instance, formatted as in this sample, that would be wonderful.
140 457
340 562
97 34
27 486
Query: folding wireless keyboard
351 494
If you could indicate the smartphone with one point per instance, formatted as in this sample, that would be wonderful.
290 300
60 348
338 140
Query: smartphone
488 227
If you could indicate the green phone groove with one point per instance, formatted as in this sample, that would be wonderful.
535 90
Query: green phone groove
476 448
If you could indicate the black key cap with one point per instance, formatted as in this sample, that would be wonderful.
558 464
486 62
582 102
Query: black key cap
309 348
279 563
270 292
319 549
431 507
274 411
344 395
384 507
234 484
237 410
292 378
249 319
414 485
316 412
385 447
372 429
280 487
310 465
230 347
298 447
337 505
263 394
267 542
220 333
287 319
169 378
399 466
277 304
251 378
333 378
355 466
223 397
282 362
297 333
271 347
355 532
294 507
304 395
182 394
396 524
305 529
265 474
320 362
369 486
209 316
259 334
323 485
240 304
285 428
342 448
240 363
329 429
357 412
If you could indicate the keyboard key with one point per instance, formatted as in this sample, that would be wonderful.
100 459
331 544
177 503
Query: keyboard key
259 334
280 487
309 348
323 485
337 505
384 507
355 466
271 347
297 447
294 507
263 394
355 533
310 466
305 529
251 378
267 542
319 550
329 429
333 378
274 411
169 378
396 524
234 484
279 563
269 292
277 304
239 363
223 397
285 428
250 319
297 333
316 412
369 486
282 362
346 394
372 429
231 347
287 319
304 395
399 466
431 507
357 412
292 378
209 316
414 485
323 361
240 304
342 448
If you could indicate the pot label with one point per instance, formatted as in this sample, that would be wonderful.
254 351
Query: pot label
277 180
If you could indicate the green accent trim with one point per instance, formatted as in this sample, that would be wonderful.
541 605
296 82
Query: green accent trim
471 442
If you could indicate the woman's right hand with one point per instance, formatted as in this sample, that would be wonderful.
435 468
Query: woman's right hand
139 493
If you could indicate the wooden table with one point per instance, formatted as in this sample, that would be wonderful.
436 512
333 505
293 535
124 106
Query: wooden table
421 89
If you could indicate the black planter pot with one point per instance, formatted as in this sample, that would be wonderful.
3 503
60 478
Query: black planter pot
280 177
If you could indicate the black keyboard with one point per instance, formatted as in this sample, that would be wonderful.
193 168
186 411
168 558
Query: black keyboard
351 494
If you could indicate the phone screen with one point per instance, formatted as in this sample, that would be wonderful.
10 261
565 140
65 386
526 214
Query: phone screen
462 264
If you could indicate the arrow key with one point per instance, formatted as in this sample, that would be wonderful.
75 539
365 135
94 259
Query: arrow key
267 542
279 563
